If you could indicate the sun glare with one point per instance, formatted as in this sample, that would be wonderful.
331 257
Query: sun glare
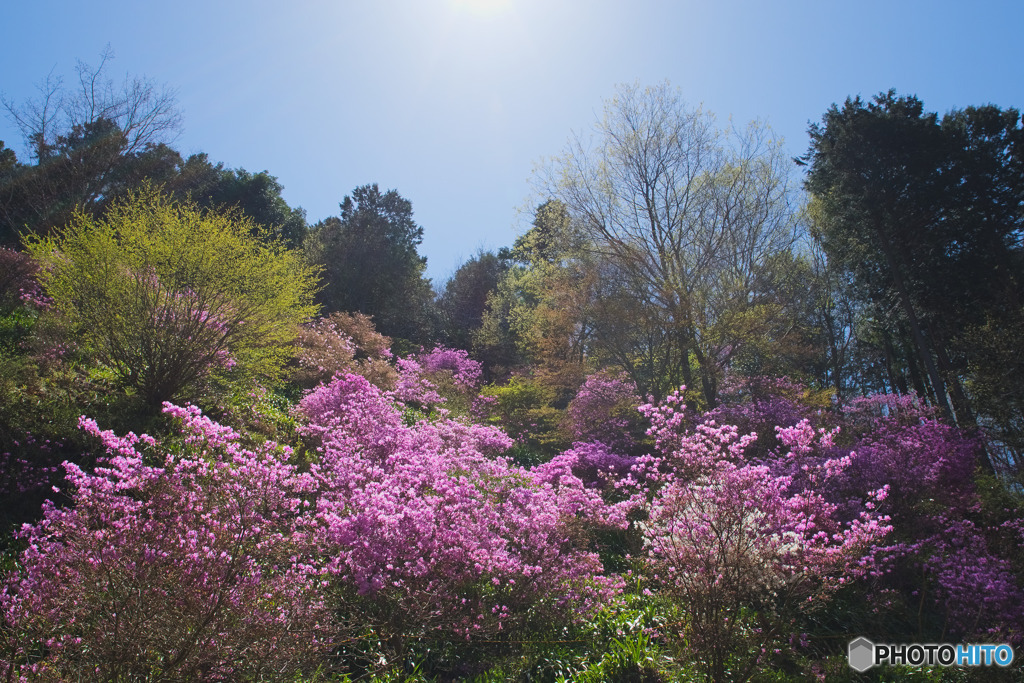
482 8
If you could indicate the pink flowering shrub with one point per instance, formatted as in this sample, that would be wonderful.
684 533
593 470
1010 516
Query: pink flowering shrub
596 464
180 562
18 283
909 449
742 557
945 557
432 531
465 372
605 410
976 588
759 405
945 567
445 376
201 557
742 549
343 343
414 386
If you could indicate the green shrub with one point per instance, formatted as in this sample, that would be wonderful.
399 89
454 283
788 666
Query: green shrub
169 295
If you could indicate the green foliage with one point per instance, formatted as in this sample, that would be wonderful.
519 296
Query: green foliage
15 328
371 264
463 303
523 408
169 295
924 214
494 341
256 195
621 642
994 375
689 220
47 382
259 412
539 310
624 650
629 660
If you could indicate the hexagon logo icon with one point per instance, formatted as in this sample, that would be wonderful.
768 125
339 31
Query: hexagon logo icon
861 654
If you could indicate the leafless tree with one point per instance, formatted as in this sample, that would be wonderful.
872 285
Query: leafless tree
85 140
696 214
144 112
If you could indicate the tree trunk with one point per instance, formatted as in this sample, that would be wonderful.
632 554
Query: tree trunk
938 385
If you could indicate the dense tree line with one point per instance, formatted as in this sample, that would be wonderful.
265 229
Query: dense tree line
664 246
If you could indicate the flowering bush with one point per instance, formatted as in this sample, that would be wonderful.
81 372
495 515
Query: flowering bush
605 410
744 549
976 588
171 562
945 556
595 463
743 556
465 372
414 387
18 283
760 405
446 376
198 556
941 550
434 531
919 457
343 343
167 294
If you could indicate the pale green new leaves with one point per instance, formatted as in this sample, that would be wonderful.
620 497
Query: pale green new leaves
168 294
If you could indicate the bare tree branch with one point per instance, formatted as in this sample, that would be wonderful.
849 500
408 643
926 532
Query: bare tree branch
145 113
692 212
35 117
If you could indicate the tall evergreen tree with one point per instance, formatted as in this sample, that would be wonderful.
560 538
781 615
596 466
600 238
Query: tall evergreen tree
926 214
371 264
463 303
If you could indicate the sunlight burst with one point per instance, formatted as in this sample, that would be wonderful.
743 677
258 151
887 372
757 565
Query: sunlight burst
482 8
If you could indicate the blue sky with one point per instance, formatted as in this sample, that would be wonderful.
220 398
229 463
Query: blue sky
454 102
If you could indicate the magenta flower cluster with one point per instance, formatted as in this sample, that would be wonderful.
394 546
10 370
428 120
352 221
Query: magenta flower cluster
179 562
199 558
947 568
605 410
202 556
465 371
957 558
746 549
429 379
711 502
430 518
